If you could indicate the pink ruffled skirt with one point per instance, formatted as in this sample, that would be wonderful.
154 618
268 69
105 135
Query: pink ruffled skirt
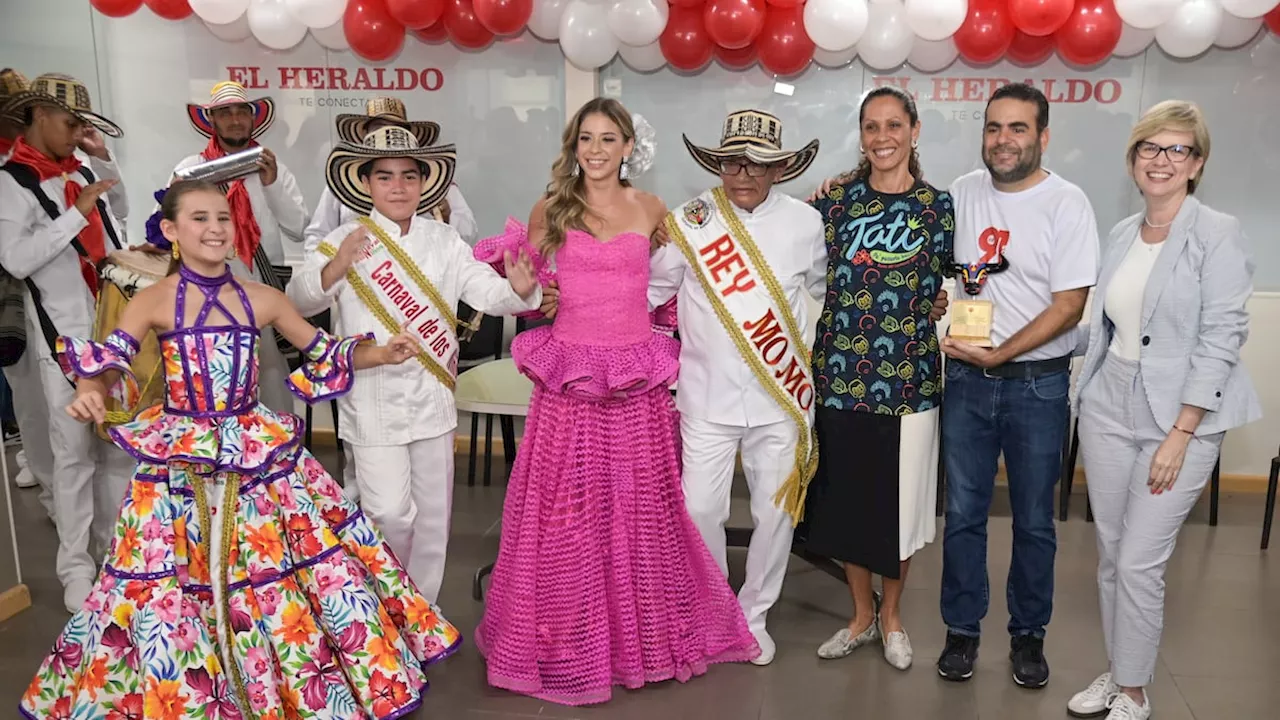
602 578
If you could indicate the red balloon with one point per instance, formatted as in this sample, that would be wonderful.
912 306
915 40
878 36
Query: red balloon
1039 17
1272 19
170 9
784 46
116 8
416 14
739 59
685 42
986 33
371 31
465 29
504 17
733 24
687 3
785 3
435 34
1029 49
1091 33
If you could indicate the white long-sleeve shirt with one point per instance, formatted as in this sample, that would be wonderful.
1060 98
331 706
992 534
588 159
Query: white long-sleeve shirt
36 247
279 208
716 384
400 404
117 197
330 214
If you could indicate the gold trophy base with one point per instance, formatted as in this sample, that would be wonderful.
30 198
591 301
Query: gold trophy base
971 322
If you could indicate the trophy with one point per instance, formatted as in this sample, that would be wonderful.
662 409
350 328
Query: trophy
971 319
224 169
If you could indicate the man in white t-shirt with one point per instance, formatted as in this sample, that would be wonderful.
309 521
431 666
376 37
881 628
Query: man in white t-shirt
1011 397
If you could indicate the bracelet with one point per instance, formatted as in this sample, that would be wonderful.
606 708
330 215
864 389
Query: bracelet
1189 432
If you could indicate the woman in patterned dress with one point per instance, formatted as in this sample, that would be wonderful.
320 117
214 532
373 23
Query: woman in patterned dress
877 369
240 582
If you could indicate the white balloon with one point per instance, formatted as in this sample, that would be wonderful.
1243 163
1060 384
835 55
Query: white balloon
1146 14
936 19
638 22
585 37
317 13
835 25
1248 8
274 25
642 59
545 20
1236 31
234 31
1192 29
218 12
1133 41
837 59
332 37
888 39
932 55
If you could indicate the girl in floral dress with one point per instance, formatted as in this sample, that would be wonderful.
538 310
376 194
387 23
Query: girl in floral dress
240 582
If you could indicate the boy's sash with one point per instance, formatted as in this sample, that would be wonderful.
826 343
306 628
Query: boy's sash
394 289
753 309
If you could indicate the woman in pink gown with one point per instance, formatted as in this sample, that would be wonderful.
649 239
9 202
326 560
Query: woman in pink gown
601 577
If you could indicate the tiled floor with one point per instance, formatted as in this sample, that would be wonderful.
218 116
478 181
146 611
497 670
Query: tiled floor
1220 661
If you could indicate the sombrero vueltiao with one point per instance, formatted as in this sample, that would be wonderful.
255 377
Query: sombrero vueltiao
231 93
756 136
64 92
12 82
353 128
342 169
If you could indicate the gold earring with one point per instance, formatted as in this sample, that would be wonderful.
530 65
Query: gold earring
176 254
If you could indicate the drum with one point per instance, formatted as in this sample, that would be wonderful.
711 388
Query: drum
124 273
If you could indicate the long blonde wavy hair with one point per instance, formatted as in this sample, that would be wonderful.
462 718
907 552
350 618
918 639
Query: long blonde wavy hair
566 198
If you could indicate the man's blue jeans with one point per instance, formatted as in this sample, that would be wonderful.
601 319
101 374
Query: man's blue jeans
1026 418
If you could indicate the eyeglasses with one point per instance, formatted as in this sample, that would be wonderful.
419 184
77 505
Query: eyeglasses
728 167
1175 153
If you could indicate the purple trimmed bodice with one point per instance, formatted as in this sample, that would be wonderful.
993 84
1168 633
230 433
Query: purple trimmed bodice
210 370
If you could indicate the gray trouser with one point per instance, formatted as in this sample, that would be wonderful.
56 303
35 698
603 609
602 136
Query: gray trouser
1136 530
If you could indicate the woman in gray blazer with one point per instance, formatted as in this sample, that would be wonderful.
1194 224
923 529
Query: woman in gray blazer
1161 383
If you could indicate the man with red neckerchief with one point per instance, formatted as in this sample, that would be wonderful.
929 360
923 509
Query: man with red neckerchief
266 207
56 225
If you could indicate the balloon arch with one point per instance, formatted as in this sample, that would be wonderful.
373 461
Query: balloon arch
784 36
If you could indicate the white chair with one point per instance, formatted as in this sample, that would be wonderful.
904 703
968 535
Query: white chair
493 388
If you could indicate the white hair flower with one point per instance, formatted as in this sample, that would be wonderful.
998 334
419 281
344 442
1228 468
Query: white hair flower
645 149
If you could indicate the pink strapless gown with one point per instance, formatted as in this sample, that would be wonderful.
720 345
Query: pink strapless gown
602 578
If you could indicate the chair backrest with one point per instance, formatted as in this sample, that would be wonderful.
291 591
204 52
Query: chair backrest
486 342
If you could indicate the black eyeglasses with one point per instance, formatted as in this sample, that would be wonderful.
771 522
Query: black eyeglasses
1175 153
732 167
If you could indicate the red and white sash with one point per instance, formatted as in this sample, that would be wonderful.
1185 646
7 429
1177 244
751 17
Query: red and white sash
396 291
750 304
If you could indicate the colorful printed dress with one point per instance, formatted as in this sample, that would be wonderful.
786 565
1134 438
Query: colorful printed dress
241 583
602 578
877 370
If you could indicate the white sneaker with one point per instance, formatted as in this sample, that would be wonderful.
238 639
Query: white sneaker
25 479
76 592
1124 708
767 648
1092 701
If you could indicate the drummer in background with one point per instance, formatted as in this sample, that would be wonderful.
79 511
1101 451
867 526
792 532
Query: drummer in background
330 214
266 208
56 225
35 459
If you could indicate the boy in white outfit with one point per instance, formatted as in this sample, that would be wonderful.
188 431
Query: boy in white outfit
394 269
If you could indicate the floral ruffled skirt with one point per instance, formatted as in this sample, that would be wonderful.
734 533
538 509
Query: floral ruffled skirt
314 618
